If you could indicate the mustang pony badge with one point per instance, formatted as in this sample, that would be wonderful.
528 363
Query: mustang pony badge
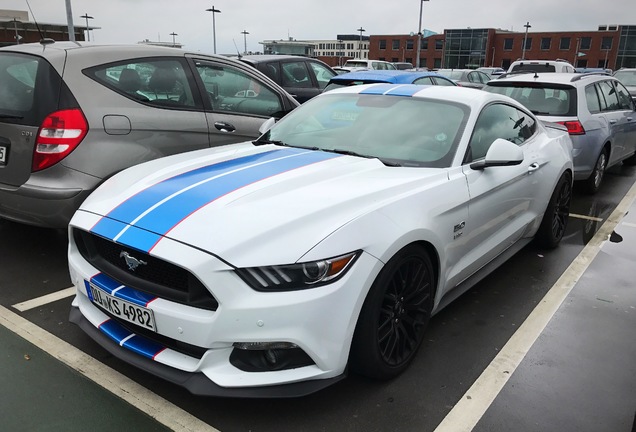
131 261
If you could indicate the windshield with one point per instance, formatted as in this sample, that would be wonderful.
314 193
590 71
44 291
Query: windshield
628 78
353 63
403 131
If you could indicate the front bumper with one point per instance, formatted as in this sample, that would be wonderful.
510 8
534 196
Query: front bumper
319 321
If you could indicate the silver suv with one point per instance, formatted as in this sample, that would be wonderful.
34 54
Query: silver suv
596 109
72 115
557 66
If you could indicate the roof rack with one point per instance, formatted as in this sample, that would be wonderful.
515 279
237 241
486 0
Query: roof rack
587 74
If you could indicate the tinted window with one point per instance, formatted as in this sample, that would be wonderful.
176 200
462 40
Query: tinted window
608 94
536 67
423 81
322 73
499 121
159 82
624 99
591 98
295 74
30 89
230 89
544 100
442 81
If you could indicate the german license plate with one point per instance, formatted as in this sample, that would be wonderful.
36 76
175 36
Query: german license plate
123 309
4 151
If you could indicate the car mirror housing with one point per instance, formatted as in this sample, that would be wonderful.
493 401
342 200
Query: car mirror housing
501 153
267 125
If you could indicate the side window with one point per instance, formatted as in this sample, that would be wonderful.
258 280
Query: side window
230 89
442 81
295 74
159 82
608 93
474 77
499 121
323 75
272 70
591 97
624 99
423 81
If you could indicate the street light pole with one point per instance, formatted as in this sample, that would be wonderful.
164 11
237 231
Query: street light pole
419 36
525 38
17 36
214 12
88 33
173 34
245 33
360 44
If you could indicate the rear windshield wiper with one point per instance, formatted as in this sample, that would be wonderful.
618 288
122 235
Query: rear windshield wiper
11 116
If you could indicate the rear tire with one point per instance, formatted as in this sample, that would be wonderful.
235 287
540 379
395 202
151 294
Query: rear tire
555 218
593 183
395 315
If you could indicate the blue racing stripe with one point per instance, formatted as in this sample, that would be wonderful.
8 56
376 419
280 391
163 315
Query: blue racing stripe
136 297
114 330
104 282
143 346
134 206
408 90
170 213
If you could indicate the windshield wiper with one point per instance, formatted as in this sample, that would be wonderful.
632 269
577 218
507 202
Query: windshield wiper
11 116
267 141
352 153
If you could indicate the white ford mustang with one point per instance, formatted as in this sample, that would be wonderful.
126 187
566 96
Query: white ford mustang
271 268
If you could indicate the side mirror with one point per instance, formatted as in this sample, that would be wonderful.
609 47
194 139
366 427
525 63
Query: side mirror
267 125
501 153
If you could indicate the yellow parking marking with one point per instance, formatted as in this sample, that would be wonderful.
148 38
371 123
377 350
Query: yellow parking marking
138 396
41 301
586 217
474 403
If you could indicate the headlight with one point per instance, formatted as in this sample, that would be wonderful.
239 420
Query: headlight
297 276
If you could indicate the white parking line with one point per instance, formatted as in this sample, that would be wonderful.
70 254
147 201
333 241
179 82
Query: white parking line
41 301
474 403
141 398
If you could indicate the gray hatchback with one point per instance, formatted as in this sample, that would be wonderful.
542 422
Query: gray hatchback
596 109
72 115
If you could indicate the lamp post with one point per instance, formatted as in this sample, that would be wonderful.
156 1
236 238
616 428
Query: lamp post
245 33
605 63
88 33
419 36
214 11
525 38
360 44
17 36
173 34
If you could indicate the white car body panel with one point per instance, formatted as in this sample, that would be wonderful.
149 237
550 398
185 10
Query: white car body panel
326 206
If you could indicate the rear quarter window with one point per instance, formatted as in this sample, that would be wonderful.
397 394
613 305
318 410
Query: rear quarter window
544 99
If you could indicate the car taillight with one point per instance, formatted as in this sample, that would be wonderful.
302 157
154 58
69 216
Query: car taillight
59 135
574 127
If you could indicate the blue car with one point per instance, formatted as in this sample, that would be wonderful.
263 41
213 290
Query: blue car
388 76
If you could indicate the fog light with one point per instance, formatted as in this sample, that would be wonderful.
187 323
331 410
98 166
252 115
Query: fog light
258 346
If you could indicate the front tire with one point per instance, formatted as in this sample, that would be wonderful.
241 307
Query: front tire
395 315
555 218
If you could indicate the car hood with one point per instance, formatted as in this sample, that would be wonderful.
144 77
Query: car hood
248 205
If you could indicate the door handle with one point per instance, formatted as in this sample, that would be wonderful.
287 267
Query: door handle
612 121
533 167
224 127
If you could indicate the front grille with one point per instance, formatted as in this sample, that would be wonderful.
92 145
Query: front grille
157 277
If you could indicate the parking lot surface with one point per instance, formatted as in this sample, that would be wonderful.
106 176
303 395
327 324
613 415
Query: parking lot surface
477 369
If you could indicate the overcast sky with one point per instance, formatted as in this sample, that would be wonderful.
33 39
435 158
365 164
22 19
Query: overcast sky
130 21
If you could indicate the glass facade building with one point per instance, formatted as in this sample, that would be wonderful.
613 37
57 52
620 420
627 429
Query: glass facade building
465 48
626 47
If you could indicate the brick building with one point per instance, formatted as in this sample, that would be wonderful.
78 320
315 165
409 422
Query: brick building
608 47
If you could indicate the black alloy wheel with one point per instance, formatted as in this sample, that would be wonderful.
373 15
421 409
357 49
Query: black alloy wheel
555 218
395 315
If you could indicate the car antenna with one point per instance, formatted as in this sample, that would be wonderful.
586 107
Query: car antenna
237 50
42 38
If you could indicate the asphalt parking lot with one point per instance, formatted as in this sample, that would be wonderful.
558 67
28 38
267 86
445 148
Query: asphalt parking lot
544 343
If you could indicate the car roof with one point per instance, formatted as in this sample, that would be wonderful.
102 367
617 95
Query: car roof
394 76
462 95
259 58
549 77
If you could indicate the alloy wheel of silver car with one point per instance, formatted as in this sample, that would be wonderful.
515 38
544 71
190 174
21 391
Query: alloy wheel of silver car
594 182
